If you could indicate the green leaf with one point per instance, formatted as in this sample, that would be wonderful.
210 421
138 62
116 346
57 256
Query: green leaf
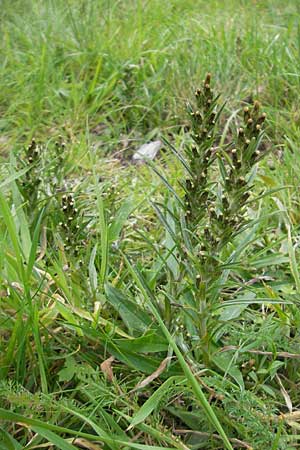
59 442
170 244
165 181
274 367
10 225
21 221
275 260
234 311
133 316
13 177
68 372
43 429
255 301
95 426
8 442
149 343
153 401
146 364
269 390
34 244
122 215
103 230
178 155
225 363
293 261
194 420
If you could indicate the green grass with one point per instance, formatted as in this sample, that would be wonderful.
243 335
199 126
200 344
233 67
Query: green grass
108 339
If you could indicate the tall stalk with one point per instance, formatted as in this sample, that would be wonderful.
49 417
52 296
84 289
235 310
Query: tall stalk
216 188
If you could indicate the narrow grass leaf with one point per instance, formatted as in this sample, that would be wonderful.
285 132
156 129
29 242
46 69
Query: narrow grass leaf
293 261
9 442
246 301
165 181
20 220
9 222
103 240
56 440
133 316
178 155
34 245
122 214
13 177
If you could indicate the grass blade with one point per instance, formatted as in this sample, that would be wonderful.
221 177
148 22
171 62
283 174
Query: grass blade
59 442
152 402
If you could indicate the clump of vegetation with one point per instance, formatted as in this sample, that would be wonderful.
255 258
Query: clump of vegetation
72 225
30 184
211 220
190 306
45 170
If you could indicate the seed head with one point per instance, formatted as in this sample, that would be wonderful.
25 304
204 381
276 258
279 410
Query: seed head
207 79
262 118
246 113
256 106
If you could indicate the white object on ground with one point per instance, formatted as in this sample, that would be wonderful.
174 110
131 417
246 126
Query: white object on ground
147 151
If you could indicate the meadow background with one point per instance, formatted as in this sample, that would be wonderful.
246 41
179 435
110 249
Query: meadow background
87 311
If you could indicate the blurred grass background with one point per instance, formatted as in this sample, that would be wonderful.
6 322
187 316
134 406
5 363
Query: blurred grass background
131 65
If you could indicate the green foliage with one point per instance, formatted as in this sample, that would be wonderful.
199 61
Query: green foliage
44 177
149 306
213 220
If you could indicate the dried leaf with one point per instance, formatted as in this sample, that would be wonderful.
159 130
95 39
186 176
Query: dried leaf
285 395
154 375
293 416
83 443
43 243
107 369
